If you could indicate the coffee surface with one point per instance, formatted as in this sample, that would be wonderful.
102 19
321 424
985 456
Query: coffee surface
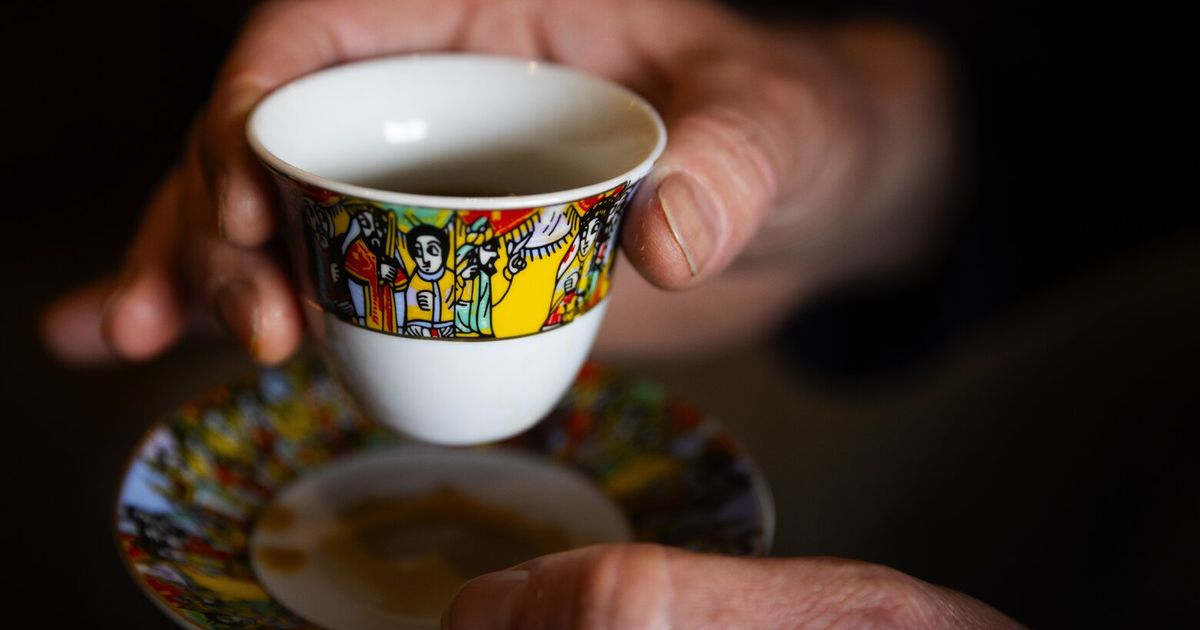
410 554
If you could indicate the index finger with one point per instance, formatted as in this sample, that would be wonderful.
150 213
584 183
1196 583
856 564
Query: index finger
283 41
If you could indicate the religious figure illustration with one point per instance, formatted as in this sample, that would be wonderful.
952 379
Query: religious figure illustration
431 291
581 268
479 287
326 260
600 272
468 273
375 275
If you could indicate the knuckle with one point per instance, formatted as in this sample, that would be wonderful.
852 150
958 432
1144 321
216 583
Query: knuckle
824 103
743 152
627 586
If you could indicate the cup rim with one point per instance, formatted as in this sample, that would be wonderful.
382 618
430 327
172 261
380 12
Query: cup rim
513 202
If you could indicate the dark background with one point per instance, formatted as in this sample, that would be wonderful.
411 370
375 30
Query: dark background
1056 329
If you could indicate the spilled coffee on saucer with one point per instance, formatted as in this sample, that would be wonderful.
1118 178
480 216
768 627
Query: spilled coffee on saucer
410 554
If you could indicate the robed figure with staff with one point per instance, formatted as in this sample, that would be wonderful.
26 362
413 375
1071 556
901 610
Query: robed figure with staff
374 273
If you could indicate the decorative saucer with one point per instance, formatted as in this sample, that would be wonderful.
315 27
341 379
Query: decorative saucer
203 476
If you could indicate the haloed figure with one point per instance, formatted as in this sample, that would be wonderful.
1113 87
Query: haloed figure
431 291
597 273
578 274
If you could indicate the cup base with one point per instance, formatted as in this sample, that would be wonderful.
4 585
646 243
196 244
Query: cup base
457 392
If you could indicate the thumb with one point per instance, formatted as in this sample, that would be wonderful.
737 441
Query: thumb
750 132
649 586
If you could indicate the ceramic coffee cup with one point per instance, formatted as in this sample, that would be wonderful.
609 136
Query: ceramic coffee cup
453 220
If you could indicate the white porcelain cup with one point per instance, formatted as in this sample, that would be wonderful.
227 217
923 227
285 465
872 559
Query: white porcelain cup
454 222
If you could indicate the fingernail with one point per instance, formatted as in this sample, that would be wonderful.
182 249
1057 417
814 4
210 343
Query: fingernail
488 602
237 305
222 196
690 215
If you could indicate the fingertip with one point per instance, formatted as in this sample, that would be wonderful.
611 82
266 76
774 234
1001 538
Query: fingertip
487 602
71 327
144 317
719 179
281 331
262 315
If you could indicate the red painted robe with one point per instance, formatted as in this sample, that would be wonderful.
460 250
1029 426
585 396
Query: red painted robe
379 305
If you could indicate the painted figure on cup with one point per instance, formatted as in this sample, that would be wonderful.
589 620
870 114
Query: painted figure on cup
479 288
599 275
326 260
375 276
585 265
431 291
480 274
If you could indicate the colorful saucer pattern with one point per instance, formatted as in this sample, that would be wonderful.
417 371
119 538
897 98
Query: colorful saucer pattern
200 475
